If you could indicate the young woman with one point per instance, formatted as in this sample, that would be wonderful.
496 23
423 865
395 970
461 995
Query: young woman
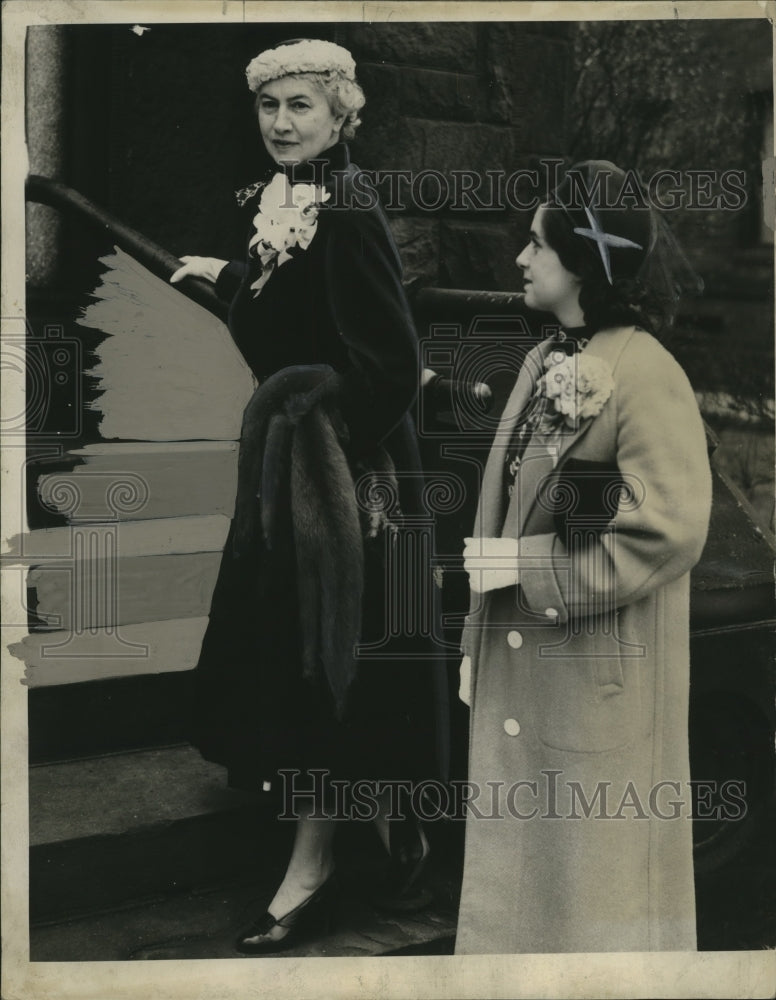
318 310
594 507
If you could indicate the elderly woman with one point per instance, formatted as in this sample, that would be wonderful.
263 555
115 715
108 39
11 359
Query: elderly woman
594 507
319 313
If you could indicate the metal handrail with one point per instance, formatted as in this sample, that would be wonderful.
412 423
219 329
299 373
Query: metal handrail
443 301
46 191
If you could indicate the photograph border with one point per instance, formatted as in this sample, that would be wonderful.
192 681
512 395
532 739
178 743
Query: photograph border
702 974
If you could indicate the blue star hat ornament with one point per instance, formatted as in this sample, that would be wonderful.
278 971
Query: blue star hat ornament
608 232
608 208
604 241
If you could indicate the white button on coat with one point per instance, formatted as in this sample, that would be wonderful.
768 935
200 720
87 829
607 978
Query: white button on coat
511 727
514 639
551 612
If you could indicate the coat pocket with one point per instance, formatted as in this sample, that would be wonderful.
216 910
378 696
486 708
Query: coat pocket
586 699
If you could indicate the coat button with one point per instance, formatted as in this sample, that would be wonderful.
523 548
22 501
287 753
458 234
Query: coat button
511 727
514 639
551 612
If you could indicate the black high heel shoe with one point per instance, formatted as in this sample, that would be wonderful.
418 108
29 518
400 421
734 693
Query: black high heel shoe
409 850
409 853
311 916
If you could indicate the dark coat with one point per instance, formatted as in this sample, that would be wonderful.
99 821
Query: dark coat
338 303
580 677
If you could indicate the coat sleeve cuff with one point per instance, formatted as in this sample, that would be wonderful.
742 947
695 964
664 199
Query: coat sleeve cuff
538 561
230 278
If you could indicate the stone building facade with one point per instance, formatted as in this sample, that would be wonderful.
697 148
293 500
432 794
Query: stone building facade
488 97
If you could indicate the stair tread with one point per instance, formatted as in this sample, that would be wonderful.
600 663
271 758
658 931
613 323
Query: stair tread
204 925
155 536
111 714
131 481
120 793
110 449
59 658
139 589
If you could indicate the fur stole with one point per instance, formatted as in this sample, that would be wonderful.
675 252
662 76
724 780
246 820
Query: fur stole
292 459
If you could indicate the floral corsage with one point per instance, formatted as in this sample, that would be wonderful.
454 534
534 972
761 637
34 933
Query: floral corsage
287 219
576 386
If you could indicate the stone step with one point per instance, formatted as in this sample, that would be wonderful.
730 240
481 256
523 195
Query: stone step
154 537
124 589
205 924
130 481
68 721
59 658
168 369
110 830
108 574
149 855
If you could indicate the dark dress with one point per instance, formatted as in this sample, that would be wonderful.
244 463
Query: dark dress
339 303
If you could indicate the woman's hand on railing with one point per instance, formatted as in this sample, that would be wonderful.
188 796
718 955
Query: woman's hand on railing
199 267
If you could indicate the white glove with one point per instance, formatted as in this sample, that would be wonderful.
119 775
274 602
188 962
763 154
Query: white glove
465 673
491 563
199 267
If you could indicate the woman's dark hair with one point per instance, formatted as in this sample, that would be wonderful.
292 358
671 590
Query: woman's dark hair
626 301
605 231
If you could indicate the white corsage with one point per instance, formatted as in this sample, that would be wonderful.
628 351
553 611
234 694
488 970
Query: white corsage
576 386
287 219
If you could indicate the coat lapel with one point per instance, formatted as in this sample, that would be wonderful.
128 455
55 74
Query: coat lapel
542 454
489 516
545 453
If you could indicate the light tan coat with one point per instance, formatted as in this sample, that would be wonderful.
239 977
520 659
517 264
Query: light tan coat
580 680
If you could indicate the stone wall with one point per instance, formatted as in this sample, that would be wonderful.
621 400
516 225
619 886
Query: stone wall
446 97
46 141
